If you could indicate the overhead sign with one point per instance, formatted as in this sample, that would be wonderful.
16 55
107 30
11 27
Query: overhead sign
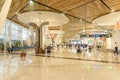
95 35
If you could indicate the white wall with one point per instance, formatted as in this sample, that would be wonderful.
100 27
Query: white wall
115 38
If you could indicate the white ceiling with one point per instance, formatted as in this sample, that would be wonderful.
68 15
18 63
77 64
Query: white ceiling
107 20
37 17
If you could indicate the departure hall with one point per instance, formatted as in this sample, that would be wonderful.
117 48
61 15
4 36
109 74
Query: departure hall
59 39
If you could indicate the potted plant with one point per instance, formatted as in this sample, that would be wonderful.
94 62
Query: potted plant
23 53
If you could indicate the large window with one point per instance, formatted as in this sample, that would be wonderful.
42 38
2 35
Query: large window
13 33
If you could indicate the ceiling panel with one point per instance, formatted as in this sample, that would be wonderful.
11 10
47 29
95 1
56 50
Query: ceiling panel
78 12
113 4
91 10
37 7
64 5
96 8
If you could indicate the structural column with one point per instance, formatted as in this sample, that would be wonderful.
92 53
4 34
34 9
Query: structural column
39 43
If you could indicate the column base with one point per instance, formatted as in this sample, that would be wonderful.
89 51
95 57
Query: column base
40 51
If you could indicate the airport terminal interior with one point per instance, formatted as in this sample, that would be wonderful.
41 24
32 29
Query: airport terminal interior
59 39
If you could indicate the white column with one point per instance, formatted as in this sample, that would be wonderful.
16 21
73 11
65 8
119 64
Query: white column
43 37
3 13
5 38
29 38
32 34
9 35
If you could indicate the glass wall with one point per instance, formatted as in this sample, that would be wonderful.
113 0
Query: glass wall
13 35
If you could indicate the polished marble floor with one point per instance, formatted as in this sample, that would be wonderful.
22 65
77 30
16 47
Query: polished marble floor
60 65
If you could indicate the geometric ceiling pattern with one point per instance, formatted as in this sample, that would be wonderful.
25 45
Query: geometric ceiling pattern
81 13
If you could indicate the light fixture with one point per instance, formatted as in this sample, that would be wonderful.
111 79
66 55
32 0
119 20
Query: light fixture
63 14
81 20
112 11
105 31
17 13
31 1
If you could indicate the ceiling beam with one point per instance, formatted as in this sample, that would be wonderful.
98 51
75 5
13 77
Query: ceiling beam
81 5
105 13
105 5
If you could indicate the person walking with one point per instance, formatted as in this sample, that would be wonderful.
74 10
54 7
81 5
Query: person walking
90 48
116 48
98 46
